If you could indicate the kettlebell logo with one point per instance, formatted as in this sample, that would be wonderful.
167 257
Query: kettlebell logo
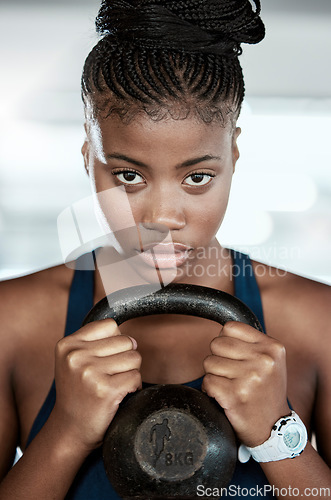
161 432
164 447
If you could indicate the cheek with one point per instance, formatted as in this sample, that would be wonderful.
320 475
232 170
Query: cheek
115 216
111 202
206 222
207 214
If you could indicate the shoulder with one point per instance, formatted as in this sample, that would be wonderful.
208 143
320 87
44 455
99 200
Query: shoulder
20 296
29 303
37 282
297 304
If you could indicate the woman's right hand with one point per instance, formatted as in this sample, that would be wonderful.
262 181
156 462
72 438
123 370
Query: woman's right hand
95 368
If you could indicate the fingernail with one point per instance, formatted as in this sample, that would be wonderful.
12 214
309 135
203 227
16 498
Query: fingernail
134 343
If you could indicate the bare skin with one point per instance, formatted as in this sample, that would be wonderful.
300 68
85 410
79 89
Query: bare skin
249 374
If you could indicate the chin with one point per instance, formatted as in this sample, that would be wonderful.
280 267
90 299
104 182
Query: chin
156 276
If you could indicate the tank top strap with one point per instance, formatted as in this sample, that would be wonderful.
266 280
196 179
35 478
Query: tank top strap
245 285
80 299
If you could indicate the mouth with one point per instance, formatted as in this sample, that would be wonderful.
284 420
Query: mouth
164 255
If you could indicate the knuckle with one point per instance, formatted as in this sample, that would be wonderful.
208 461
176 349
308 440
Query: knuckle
207 362
135 380
88 373
230 325
211 386
111 325
132 359
136 375
215 344
267 363
243 393
255 376
101 390
208 380
136 357
93 382
73 359
61 346
108 326
277 350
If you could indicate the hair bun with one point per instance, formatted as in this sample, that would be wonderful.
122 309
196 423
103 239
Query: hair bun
214 26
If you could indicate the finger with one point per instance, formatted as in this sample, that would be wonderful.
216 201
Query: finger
113 388
224 367
241 331
117 363
98 330
123 384
220 388
79 357
252 370
109 346
232 348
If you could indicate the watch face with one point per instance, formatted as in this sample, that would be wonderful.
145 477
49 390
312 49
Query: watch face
292 436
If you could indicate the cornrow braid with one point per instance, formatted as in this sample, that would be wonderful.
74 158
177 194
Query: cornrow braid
170 57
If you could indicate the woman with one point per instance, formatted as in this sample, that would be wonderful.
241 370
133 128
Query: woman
162 92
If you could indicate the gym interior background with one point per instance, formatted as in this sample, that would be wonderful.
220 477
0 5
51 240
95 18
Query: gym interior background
280 206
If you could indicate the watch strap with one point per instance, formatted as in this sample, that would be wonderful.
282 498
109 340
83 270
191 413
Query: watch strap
273 449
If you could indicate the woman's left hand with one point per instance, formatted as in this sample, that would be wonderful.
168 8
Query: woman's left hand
246 374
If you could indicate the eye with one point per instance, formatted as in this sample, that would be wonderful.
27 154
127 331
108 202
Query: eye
129 177
198 179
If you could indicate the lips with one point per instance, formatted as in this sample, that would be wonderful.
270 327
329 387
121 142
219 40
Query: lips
164 255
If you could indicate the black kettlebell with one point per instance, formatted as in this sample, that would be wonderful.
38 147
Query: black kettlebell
167 440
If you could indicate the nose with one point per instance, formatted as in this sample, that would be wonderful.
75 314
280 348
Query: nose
163 209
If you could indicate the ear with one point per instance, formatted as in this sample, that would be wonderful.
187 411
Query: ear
85 150
235 150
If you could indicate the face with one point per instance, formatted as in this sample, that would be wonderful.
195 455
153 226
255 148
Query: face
172 180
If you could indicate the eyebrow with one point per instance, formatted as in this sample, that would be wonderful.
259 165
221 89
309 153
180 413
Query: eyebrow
187 163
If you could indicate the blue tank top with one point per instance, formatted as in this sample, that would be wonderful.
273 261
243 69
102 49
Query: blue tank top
91 482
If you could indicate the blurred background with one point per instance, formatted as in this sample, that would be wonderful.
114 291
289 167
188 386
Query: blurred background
280 206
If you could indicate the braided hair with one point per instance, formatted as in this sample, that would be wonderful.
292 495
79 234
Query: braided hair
170 57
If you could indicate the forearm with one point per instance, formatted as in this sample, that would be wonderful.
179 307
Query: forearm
46 469
306 475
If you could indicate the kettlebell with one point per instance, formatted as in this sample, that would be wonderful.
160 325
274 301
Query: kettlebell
166 440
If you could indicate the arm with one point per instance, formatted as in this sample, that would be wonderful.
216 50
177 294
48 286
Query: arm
47 468
246 374
312 469
309 471
8 418
41 464
94 370
307 474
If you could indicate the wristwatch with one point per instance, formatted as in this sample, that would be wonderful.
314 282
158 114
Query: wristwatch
287 440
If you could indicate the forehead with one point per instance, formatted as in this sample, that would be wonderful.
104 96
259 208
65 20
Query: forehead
146 135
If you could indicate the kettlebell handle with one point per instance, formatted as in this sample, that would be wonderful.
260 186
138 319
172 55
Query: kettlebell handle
193 300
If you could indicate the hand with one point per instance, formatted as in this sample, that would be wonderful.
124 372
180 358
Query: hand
246 374
95 368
